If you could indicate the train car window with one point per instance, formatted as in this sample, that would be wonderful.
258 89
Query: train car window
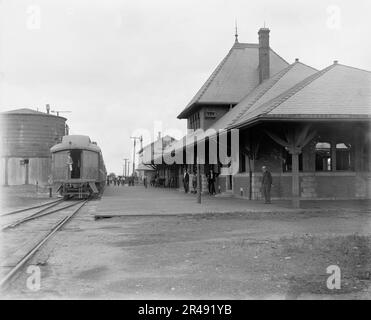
76 166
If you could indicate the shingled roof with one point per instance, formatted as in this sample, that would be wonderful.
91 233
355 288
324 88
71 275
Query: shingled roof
234 77
299 92
337 91
267 90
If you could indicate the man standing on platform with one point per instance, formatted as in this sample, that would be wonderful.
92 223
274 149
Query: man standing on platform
211 181
266 184
186 181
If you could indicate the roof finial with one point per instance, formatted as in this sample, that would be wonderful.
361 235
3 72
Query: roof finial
264 23
236 31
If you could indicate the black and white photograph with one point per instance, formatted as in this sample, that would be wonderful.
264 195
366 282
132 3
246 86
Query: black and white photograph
178 150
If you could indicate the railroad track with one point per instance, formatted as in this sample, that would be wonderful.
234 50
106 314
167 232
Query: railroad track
66 217
30 208
41 213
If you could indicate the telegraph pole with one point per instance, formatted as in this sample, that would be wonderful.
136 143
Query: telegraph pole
126 160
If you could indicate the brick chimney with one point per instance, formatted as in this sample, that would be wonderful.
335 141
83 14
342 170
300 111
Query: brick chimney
263 54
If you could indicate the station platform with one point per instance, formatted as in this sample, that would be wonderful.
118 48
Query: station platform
137 200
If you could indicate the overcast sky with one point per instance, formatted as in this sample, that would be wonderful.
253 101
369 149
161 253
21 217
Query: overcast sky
121 65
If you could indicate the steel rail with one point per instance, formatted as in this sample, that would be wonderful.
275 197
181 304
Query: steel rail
37 215
30 208
30 253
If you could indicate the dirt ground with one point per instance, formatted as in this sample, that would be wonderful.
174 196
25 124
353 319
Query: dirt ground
15 197
277 255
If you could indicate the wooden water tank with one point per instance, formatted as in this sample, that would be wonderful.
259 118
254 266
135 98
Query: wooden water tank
26 138
28 133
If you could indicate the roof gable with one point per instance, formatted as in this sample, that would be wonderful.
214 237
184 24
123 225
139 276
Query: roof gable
235 76
267 90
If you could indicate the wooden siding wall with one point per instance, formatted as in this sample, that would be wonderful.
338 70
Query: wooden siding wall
38 171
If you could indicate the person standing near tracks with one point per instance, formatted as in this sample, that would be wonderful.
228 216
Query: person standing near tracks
266 184
69 165
186 181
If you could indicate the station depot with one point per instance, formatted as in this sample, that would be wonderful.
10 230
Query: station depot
310 127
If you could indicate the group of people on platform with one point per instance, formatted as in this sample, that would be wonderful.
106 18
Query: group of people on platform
120 181
158 181
192 177
116 181
211 178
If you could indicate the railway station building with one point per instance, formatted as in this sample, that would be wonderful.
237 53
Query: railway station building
310 127
146 167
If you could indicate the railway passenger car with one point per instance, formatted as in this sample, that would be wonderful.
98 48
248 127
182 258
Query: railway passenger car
78 167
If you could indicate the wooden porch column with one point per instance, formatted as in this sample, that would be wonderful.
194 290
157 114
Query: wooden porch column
198 182
358 150
296 138
180 177
251 178
251 150
333 154
295 180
